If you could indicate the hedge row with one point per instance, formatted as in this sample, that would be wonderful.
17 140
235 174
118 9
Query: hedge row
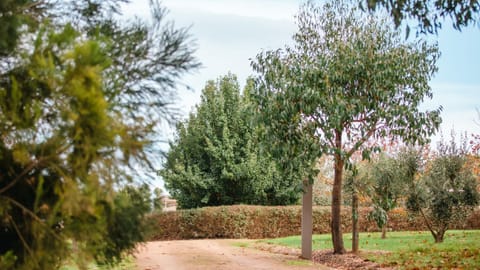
254 222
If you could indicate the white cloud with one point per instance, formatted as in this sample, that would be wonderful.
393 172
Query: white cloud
266 9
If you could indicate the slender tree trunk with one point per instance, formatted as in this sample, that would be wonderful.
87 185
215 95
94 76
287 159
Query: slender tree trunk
355 237
307 221
441 233
439 237
384 229
336 224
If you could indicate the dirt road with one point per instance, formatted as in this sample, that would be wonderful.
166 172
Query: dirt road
214 254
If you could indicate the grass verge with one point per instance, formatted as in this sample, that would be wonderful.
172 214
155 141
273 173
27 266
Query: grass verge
408 250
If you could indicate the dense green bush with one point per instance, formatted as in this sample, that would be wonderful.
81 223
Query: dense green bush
216 158
254 222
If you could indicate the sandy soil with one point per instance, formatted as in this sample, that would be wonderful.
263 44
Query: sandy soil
215 254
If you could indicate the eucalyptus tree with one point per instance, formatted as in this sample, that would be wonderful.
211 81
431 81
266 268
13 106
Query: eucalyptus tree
81 93
347 78
430 13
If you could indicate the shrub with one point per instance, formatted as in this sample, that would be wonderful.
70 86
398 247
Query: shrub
256 222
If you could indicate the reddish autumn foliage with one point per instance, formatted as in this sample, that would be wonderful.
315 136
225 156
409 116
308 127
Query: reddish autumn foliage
254 222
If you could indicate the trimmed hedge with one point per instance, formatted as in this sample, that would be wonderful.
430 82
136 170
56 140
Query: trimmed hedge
254 222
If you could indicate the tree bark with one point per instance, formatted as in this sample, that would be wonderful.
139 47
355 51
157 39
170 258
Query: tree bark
438 238
336 224
307 221
384 230
440 234
355 237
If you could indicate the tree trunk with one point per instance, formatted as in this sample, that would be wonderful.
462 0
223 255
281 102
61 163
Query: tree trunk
307 221
355 237
384 229
336 224
439 235
439 239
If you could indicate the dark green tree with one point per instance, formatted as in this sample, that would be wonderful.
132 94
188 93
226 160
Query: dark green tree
430 14
79 108
215 158
126 224
347 79
447 190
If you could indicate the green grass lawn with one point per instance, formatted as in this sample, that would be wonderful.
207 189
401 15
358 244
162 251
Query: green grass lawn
408 250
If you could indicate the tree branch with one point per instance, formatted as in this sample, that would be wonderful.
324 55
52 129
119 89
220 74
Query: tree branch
30 167
362 140
24 243
31 214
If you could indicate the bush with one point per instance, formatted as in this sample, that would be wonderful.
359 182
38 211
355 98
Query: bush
256 222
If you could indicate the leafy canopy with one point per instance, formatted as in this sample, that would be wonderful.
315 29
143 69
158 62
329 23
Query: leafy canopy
346 74
447 189
215 158
348 78
429 13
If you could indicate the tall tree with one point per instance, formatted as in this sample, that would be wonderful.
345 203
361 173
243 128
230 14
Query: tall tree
215 159
78 107
347 79
430 13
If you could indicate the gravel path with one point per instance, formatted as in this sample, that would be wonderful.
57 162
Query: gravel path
214 254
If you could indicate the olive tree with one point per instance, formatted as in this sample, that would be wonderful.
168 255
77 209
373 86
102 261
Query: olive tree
447 190
347 78
386 186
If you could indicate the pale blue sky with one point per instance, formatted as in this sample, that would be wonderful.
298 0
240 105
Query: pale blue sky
229 33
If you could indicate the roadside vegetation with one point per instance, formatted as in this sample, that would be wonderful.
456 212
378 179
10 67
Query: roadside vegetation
81 110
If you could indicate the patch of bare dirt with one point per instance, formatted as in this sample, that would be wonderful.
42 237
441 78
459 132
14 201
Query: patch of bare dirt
347 261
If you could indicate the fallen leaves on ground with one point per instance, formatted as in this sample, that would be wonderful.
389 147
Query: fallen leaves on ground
347 261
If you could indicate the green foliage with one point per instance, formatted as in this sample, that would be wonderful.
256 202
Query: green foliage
18 17
215 158
347 79
447 190
379 215
75 118
157 204
350 75
429 14
386 183
126 224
